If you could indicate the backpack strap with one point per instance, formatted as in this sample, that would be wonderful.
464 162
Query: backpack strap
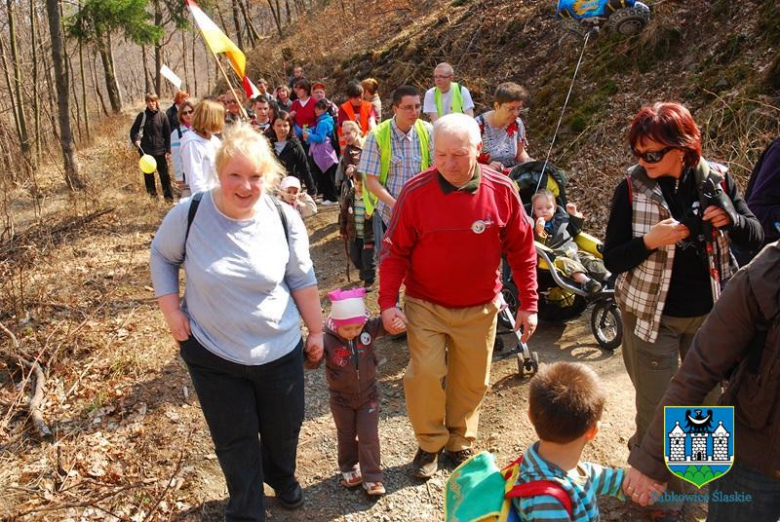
630 189
538 488
283 218
194 204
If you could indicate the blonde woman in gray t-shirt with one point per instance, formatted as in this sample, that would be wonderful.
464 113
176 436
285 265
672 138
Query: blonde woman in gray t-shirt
250 280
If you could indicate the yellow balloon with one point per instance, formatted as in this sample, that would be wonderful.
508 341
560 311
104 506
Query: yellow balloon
148 164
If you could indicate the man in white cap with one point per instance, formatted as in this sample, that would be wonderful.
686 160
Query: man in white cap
449 227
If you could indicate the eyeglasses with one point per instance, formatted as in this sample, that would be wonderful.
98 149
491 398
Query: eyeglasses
186 112
512 108
651 156
230 102
441 76
416 107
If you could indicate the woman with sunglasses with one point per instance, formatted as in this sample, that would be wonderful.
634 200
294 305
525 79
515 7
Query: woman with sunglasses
656 246
184 118
503 132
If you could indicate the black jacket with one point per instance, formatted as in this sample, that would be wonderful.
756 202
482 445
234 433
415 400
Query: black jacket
157 133
293 158
173 116
722 341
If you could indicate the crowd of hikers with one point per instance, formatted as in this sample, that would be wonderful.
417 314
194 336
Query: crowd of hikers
430 206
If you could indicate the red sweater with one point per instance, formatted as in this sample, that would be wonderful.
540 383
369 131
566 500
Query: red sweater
304 115
446 247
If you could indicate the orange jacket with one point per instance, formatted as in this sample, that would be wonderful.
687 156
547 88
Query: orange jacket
365 113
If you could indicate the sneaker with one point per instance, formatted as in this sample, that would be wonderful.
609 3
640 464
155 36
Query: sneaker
459 457
292 499
425 464
592 287
328 203
666 515
350 479
374 489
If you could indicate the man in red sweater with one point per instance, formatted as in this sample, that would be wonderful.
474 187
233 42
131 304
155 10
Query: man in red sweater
449 227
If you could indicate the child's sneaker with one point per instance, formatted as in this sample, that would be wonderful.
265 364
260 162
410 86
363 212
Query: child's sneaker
374 489
592 287
350 479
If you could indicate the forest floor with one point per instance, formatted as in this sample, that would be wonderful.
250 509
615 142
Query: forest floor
129 440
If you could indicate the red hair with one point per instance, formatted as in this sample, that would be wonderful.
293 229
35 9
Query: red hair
180 97
669 124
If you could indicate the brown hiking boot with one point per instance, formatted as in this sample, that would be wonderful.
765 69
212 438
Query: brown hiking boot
425 464
459 457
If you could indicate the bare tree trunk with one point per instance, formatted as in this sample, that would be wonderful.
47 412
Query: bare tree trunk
83 88
75 109
287 8
158 51
254 36
24 138
10 85
275 15
63 100
36 95
112 87
98 93
147 74
184 60
237 23
194 67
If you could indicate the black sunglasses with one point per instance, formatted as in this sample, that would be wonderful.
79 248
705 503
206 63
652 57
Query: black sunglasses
186 112
652 156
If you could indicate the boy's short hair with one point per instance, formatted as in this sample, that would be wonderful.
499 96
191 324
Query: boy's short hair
354 89
565 400
544 193
322 105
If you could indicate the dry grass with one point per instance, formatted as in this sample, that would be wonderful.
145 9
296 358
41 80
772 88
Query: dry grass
71 293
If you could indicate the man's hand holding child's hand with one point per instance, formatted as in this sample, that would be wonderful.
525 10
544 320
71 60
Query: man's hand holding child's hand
394 321
640 488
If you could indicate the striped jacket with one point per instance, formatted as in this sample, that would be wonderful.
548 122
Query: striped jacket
642 291
582 486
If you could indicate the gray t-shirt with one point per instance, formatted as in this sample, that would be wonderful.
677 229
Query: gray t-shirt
239 277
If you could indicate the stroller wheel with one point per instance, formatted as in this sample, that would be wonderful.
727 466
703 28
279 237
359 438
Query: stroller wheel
607 324
528 366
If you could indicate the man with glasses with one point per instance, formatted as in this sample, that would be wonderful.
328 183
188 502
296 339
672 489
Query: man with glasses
448 96
232 108
394 151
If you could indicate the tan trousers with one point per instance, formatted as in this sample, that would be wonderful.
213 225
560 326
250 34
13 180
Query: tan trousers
456 343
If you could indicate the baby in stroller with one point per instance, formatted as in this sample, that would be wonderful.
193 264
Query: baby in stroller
556 228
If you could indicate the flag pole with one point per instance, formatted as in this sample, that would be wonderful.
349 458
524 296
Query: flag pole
230 86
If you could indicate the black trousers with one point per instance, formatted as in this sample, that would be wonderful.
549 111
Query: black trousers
241 403
165 178
326 184
363 259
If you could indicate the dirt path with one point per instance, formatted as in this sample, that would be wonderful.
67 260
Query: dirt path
131 442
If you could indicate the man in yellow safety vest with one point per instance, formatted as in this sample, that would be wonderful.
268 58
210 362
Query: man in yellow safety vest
448 96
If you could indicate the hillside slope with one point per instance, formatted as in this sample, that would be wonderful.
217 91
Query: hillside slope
720 58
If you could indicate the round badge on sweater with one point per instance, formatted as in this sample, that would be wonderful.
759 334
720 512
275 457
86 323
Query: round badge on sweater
365 338
478 226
